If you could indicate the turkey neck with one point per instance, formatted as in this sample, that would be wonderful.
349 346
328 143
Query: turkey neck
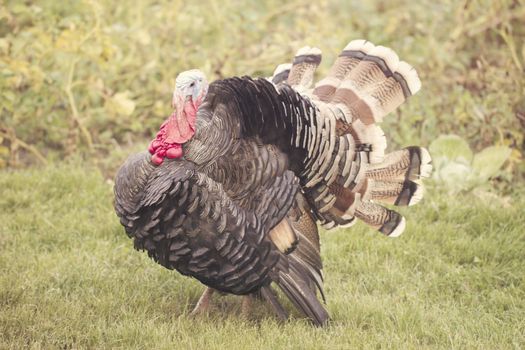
210 141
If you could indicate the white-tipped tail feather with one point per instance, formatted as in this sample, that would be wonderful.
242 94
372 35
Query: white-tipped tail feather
426 163
349 224
400 228
362 45
387 55
410 75
303 68
329 225
417 196
308 51
281 68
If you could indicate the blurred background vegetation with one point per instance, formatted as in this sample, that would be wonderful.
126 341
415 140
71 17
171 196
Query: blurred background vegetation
92 80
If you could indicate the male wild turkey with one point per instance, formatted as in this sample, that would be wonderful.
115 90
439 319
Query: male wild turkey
231 188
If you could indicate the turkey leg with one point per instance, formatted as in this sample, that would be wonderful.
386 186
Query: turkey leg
247 305
203 305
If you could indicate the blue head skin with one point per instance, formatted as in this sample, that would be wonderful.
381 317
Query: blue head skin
191 86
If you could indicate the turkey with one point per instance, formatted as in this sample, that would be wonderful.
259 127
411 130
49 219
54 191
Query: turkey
232 188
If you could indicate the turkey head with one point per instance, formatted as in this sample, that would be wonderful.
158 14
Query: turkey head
191 88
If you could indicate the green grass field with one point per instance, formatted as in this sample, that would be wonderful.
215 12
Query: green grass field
69 278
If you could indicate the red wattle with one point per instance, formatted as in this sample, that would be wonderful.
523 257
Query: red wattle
156 143
155 159
151 148
177 130
174 152
181 128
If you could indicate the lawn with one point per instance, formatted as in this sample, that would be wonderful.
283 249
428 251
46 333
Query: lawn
69 278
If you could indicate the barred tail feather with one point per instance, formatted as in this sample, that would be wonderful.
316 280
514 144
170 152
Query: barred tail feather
325 88
281 73
410 163
368 81
304 65
398 193
387 221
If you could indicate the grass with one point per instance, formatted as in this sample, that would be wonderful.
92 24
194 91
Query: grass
69 278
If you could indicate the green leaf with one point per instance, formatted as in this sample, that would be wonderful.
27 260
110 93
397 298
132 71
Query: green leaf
455 175
122 104
450 148
487 162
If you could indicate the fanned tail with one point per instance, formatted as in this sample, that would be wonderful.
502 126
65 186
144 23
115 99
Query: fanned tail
348 172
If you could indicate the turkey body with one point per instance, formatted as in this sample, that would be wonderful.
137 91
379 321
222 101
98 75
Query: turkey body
195 228
269 160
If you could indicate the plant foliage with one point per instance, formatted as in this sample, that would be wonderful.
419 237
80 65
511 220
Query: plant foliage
91 76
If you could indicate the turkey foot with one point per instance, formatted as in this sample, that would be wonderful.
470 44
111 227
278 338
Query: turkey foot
203 305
